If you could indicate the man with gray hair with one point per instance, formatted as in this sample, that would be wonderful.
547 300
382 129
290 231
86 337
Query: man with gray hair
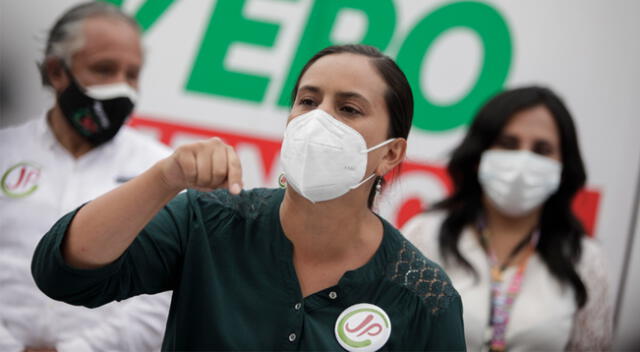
75 151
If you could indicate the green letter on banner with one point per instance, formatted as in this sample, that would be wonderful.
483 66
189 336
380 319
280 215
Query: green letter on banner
381 16
116 3
148 12
496 40
227 26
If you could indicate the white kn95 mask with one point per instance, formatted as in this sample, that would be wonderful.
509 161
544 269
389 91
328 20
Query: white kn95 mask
517 181
322 157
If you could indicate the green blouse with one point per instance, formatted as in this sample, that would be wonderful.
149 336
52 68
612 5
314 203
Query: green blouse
234 285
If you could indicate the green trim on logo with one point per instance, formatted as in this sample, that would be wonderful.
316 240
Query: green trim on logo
282 181
10 194
343 335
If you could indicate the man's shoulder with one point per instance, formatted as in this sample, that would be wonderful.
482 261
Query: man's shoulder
19 132
422 277
133 141
22 143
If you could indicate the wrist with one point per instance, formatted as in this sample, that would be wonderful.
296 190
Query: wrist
160 180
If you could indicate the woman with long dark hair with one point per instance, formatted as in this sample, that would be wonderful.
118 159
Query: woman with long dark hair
306 268
529 277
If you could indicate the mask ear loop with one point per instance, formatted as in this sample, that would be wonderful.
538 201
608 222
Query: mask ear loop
72 77
367 151
379 145
363 181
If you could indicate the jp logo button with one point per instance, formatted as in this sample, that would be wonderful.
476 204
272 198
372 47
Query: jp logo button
363 327
20 180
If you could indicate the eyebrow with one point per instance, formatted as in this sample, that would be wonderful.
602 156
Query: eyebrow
342 95
312 89
347 95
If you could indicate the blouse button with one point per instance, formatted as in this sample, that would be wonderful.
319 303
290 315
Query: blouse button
333 295
297 306
292 337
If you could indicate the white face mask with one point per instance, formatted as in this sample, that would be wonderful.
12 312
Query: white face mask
518 181
322 157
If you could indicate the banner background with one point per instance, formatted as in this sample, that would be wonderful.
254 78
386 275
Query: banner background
587 51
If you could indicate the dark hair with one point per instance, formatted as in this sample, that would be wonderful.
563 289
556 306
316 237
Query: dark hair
67 31
560 231
398 96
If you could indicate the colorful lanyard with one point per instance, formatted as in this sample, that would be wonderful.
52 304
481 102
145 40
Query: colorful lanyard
502 300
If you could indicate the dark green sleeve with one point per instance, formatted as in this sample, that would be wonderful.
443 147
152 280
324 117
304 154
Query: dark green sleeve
150 265
447 331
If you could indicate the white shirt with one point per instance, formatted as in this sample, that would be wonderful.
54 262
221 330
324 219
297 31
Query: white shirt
544 316
40 181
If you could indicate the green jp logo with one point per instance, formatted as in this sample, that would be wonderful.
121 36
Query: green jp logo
363 327
229 26
20 180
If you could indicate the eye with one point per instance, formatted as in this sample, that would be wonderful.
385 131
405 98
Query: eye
350 110
507 142
104 69
542 148
133 75
306 101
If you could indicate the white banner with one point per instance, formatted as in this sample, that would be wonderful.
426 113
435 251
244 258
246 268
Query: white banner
224 67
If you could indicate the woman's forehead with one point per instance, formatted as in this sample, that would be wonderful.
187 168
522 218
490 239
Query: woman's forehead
535 121
345 72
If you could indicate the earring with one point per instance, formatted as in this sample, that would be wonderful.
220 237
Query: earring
378 184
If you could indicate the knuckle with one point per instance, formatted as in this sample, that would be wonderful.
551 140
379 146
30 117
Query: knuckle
219 174
235 163
180 150
205 178
216 141
190 171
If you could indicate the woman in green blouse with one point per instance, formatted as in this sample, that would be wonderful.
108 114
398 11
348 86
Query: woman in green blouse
306 268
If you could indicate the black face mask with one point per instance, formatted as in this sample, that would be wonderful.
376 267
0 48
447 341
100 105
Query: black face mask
96 113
